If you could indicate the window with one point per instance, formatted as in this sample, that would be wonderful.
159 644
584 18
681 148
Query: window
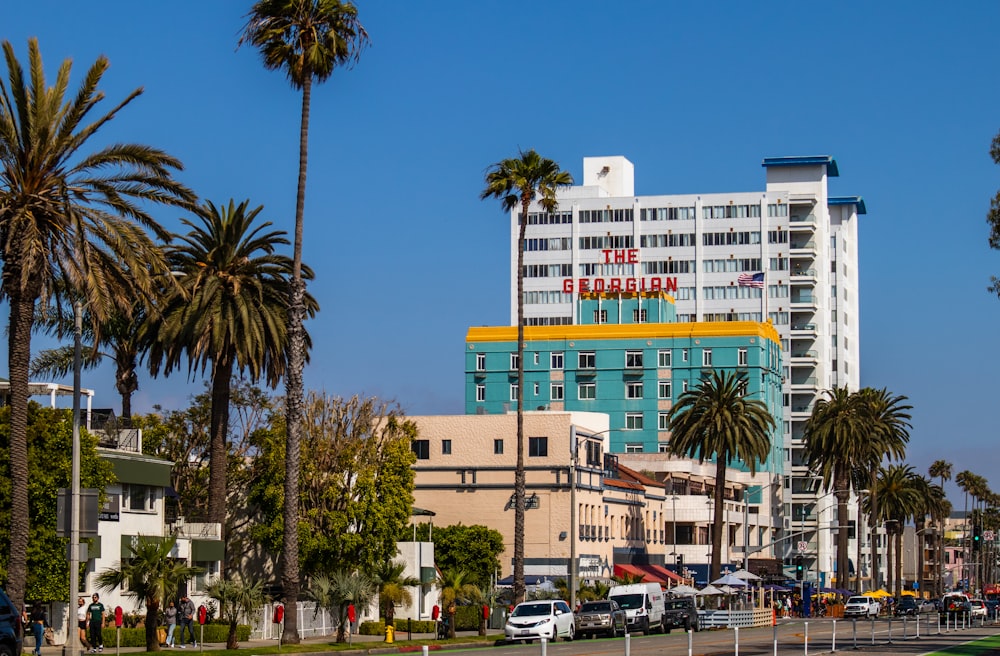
633 421
684 355
684 386
557 360
513 361
538 447
638 316
600 316
422 449
587 360
706 357
664 389
480 362
209 571
535 389
446 447
632 447
741 357
663 447
633 391
513 391
663 421
498 447
664 358
586 391
556 391
480 392
139 498
633 359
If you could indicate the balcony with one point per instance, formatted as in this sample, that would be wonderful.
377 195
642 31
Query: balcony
803 276
804 330
810 357
803 246
802 221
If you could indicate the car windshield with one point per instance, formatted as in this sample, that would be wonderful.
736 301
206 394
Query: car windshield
532 610
858 600
907 602
629 601
596 607
976 603
677 605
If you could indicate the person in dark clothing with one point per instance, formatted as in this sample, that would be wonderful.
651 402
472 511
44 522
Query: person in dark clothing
38 622
185 614
96 612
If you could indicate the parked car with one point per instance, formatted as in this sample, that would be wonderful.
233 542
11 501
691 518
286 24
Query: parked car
913 606
977 608
862 606
533 620
955 602
603 617
10 627
680 612
643 605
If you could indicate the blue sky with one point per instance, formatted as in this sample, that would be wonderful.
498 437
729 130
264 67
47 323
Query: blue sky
902 94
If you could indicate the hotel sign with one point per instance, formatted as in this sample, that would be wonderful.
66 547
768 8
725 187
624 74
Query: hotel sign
619 284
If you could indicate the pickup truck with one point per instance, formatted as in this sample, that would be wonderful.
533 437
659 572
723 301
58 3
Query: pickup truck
862 606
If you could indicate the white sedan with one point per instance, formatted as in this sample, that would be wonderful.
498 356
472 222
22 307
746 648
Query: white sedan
532 620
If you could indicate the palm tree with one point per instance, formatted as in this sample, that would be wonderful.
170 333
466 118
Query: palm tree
149 573
718 419
455 589
230 315
628 578
516 182
966 481
237 599
336 592
307 39
940 469
393 588
69 220
898 499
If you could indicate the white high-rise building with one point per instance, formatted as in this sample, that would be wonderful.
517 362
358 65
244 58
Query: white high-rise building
787 253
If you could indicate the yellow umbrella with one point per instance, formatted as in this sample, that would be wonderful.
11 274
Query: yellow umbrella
907 593
878 594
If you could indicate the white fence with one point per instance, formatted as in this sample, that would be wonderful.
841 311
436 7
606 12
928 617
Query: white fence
728 619
311 623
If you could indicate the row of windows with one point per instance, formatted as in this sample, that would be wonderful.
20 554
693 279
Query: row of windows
668 266
550 244
538 447
606 216
731 265
548 270
730 211
730 238
601 242
777 210
598 269
634 359
777 236
667 241
547 218
666 213
548 321
732 316
545 298
730 292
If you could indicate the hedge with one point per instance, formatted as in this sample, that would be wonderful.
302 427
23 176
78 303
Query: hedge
402 625
137 637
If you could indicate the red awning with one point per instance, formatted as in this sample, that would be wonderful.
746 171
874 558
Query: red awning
650 574
663 571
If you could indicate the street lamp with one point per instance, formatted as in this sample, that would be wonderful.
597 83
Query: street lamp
673 521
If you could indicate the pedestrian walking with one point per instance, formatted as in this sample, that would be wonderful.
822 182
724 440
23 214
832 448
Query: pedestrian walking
170 617
39 620
95 611
81 622
186 612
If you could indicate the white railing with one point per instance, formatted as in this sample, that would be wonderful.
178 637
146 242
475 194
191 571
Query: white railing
713 619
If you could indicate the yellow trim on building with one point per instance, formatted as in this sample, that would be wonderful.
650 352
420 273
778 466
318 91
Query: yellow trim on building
626 331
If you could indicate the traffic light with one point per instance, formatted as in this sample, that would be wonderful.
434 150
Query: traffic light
799 571
977 537
680 560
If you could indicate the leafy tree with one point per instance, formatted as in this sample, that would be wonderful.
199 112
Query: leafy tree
898 499
70 222
455 590
717 419
475 549
230 316
237 598
308 40
148 575
356 489
393 588
338 590
627 578
50 447
516 182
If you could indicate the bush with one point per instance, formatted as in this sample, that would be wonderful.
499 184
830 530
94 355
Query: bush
137 637
373 628
413 626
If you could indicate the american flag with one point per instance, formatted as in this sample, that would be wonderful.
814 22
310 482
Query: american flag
751 280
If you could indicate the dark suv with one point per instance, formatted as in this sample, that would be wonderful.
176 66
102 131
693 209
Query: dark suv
603 617
680 612
10 627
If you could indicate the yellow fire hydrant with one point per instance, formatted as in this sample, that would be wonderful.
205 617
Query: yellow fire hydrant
389 633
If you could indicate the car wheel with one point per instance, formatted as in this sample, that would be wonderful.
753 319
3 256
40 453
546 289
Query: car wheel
571 634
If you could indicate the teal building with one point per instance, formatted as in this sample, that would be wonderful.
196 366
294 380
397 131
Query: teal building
629 359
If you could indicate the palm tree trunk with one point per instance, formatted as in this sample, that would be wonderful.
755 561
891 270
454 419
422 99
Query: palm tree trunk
218 452
841 492
718 517
899 564
152 624
294 391
873 520
859 533
19 357
519 475
889 569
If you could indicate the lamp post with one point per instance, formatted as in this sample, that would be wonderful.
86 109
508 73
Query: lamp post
72 635
673 521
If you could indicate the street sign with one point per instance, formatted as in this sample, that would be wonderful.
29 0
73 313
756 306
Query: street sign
987 534
803 546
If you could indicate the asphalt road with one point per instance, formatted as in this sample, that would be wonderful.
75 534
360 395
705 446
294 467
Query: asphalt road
791 636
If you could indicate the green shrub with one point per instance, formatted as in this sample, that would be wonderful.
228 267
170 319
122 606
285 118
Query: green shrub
137 637
372 628
413 626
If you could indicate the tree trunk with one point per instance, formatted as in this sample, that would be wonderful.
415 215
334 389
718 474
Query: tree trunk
519 475
874 521
222 374
899 564
889 570
19 358
152 626
231 641
717 517
842 484
859 533
294 390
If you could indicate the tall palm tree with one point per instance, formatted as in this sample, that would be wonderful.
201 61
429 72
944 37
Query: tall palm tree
966 482
70 219
718 419
148 573
898 499
516 182
940 469
393 588
230 315
308 40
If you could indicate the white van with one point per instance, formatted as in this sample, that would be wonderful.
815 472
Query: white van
643 606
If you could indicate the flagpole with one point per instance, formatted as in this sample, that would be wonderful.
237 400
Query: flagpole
763 298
